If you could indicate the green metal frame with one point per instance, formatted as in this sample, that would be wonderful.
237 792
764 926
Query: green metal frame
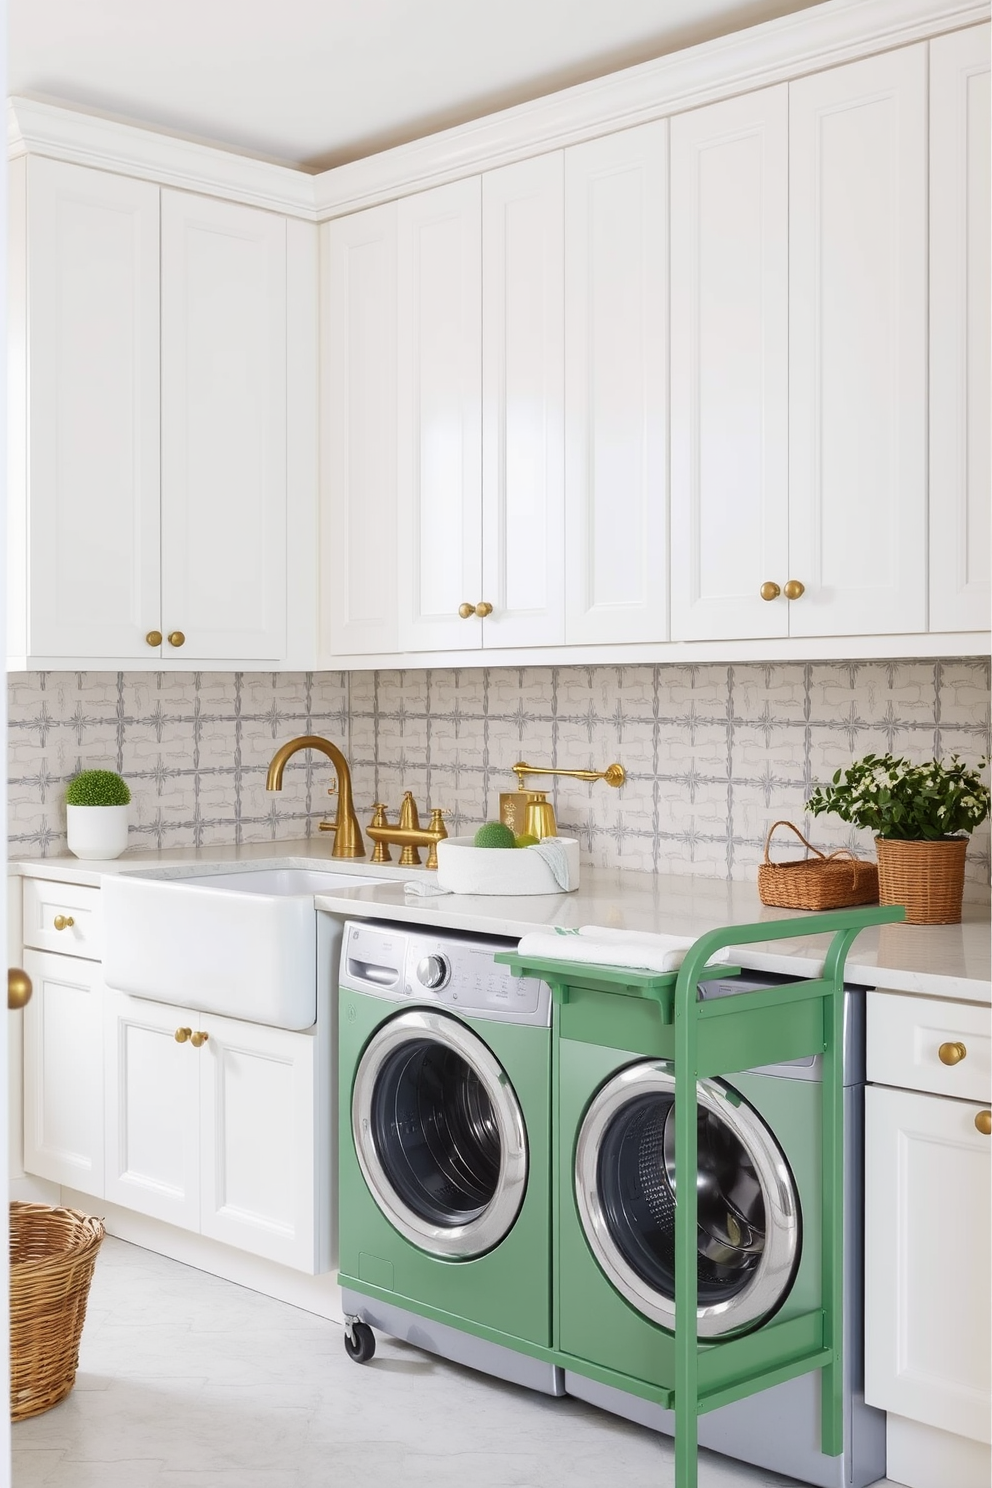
724 1036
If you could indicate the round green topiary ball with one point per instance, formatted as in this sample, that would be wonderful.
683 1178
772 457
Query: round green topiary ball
494 834
97 788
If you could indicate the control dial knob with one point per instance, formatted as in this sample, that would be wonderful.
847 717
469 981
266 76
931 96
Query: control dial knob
432 972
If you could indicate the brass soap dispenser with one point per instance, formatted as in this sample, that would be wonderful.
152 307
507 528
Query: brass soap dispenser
531 812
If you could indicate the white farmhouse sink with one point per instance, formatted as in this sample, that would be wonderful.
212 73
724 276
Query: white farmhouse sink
241 944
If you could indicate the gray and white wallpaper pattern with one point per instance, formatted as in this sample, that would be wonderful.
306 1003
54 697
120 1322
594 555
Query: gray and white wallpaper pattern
714 753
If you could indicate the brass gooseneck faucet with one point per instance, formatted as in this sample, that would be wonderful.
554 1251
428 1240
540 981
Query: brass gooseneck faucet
347 833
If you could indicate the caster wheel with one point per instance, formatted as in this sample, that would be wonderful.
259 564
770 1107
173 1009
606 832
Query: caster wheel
360 1343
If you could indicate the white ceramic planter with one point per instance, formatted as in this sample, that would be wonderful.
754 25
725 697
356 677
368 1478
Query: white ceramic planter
96 831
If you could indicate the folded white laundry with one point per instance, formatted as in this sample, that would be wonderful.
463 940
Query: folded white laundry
601 946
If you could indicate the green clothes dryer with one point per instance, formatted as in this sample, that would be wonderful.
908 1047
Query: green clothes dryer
758 1229
444 1151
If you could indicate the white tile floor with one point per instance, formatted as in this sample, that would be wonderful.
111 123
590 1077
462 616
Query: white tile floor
186 1381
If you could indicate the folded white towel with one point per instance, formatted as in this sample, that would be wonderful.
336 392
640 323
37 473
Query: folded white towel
552 850
598 945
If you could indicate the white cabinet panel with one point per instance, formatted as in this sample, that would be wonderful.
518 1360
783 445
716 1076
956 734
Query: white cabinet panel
858 334
63 1071
616 334
358 552
439 416
85 492
960 278
152 1111
927 1261
224 428
257 1115
522 397
729 366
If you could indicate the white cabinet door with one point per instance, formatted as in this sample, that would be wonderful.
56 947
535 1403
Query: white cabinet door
223 429
927 1261
730 366
152 1110
439 420
858 346
63 1071
358 434
616 341
84 534
522 403
258 1102
960 276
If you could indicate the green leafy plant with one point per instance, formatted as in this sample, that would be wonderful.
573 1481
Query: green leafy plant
97 788
911 803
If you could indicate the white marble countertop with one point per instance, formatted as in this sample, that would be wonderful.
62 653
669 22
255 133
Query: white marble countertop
937 960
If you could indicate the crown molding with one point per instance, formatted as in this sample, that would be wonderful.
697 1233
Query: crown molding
773 52
38 128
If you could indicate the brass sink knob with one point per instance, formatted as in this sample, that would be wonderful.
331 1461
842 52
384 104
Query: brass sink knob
483 609
176 638
154 638
182 1034
952 1053
794 589
466 610
63 922
199 1038
769 590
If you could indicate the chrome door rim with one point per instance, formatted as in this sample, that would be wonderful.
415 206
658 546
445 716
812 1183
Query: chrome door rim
773 1274
489 1228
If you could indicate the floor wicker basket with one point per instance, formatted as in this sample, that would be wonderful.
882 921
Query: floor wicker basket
52 1255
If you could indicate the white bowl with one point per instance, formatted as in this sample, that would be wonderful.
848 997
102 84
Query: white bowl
463 868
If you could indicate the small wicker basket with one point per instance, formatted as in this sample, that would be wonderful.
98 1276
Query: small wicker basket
52 1255
826 881
927 877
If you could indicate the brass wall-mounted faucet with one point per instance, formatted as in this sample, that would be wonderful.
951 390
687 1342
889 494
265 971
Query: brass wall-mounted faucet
347 833
409 835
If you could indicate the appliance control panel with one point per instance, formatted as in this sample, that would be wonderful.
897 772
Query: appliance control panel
445 970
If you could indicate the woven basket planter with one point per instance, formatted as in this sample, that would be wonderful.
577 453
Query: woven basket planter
927 877
52 1255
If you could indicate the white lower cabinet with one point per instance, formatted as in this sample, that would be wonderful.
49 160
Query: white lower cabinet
211 1125
928 1264
63 1071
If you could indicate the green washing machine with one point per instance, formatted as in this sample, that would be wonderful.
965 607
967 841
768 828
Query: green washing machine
444 1151
759 1202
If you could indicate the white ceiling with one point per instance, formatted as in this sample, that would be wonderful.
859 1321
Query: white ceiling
314 83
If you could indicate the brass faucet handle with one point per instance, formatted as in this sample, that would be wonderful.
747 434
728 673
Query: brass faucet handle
439 831
380 852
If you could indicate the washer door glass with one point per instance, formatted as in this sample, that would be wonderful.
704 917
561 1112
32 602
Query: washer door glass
439 1134
748 1231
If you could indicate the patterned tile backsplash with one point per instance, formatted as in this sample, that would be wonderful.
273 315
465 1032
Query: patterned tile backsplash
714 754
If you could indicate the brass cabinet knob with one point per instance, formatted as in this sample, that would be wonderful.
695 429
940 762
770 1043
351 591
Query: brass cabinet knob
769 590
182 1034
154 638
952 1053
18 988
466 610
983 1121
199 1038
176 638
483 609
64 922
794 589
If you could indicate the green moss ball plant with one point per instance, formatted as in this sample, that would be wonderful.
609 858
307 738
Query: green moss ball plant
494 834
97 788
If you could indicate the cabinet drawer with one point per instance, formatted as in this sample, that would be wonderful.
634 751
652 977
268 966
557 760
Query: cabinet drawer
905 1037
76 907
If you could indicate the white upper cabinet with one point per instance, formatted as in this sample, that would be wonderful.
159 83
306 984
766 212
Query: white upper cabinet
439 415
83 484
858 347
730 366
960 276
223 427
616 338
358 548
523 507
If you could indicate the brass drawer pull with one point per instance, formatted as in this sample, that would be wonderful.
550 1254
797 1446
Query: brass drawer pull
952 1053
483 608
794 589
176 638
182 1034
769 590
983 1121
63 922
154 638
199 1038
